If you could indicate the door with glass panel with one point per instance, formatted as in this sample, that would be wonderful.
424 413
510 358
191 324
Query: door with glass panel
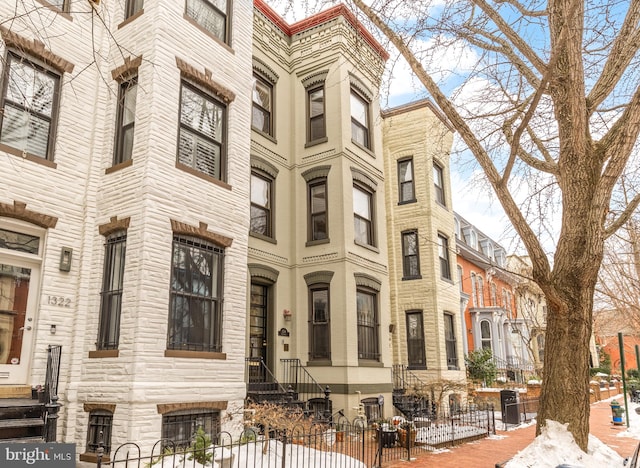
19 280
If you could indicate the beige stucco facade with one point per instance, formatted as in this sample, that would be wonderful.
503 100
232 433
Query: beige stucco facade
417 135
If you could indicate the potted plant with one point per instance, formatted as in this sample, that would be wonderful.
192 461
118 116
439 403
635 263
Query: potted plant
407 434
339 432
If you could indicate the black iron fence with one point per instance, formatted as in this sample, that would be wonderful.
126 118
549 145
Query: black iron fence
341 444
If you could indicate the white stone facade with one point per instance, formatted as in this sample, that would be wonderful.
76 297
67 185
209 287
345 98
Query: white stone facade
80 187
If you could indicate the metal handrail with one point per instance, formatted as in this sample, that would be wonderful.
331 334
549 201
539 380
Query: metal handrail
258 374
295 375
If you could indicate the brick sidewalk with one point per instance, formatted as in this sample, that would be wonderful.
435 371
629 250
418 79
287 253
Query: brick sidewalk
485 453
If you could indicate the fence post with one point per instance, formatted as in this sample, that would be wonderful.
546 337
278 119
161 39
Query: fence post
284 449
327 405
100 451
52 408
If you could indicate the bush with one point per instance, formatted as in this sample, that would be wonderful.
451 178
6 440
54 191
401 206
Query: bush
480 366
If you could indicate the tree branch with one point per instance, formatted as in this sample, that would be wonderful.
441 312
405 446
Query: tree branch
536 252
513 37
523 11
624 216
624 48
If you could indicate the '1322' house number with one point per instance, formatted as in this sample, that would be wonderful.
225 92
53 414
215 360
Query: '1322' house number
59 301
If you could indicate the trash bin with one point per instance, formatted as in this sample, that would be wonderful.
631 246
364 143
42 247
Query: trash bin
509 405
389 438
616 412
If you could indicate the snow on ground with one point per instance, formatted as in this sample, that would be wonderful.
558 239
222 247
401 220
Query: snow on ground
556 447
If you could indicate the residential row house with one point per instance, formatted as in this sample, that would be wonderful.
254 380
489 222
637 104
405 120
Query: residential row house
124 212
489 300
199 201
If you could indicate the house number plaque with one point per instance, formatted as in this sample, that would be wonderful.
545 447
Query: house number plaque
59 301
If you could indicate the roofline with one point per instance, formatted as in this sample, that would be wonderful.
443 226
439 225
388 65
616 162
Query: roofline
319 18
419 104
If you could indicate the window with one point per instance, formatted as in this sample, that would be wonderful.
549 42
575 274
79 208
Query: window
182 426
479 291
359 120
373 410
443 254
111 295
99 431
201 142
410 258
125 123
318 220
494 295
316 111
261 201
30 97
319 323
474 297
540 343
460 277
367 316
363 215
133 7
211 15
438 182
262 110
406 188
415 340
485 334
195 307
450 341
62 5
260 301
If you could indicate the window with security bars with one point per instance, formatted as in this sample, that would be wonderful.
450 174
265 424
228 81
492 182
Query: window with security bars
367 318
410 257
99 431
211 15
201 144
181 427
319 323
318 229
262 110
415 340
195 306
30 96
450 341
261 201
406 188
111 295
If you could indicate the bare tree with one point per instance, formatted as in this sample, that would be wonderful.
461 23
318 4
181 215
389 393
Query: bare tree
556 108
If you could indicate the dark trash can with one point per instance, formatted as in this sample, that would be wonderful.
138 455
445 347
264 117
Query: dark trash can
509 405
389 438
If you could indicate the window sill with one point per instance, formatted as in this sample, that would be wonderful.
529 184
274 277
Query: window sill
319 141
406 202
409 278
179 353
319 363
51 7
202 175
447 280
131 18
369 363
269 137
373 248
208 33
117 167
369 151
93 457
257 235
28 156
442 205
311 243
417 367
104 353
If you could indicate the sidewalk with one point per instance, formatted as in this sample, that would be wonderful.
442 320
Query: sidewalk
485 453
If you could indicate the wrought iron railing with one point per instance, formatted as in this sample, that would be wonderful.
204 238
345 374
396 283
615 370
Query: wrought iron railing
261 381
295 375
52 406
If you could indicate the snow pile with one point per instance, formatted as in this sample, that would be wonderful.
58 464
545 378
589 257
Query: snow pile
556 446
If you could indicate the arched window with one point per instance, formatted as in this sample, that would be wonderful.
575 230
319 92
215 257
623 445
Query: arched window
485 334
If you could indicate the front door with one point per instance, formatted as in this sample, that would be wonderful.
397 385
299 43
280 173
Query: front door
19 279
259 325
